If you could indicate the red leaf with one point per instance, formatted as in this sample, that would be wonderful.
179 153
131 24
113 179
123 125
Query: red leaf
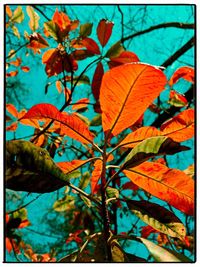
104 31
147 230
71 125
57 60
130 87
130 185
96 82
12 73
24 223
37 42
170 185
91 45
123 58
186 73
62 20
181 127
12 127
81 54
74 237
25 69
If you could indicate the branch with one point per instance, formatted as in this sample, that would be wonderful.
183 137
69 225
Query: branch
41 12
160 26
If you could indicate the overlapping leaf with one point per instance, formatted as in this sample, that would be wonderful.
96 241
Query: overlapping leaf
68 167
150 147
130 87
123 58
34 18
170 185
158 217
71 125
176 99
181 127
96 82
186 73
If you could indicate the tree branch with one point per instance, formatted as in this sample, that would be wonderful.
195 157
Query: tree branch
160 26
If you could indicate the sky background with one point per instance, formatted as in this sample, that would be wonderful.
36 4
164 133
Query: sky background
152 48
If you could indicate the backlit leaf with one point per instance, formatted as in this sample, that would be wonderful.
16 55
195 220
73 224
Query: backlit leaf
8 11
152 146
176 99
12 73
68 167
91 45
37 42
181 127
85 29
18 15
12 127
130 87
186 73
78 80
16 62
59 86
123 58
82 54
104 31
96 82
34 18
52 28
117 252
170 185
96 175
71 125
115 50
12 110
15 31
158 217
161 254
25 68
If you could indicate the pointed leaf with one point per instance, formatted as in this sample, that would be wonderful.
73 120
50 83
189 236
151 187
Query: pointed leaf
52 28
170 185
91 45
85 29
152 146
158 217
104 31
134 138
161 254
82 54
96 82
81 104
16 62
123 58
18 15
71 125
12 73
186 73
25 68
115 50
8 11
34 18
12 110
181 127
128 87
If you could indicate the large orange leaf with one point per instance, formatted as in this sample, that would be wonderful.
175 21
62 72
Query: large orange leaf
126 92
104 31
170 185
181 127
71 125
186 73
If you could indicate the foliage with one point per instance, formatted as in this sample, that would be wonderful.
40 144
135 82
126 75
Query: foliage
115 152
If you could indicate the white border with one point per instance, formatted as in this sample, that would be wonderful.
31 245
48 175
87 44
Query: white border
163 2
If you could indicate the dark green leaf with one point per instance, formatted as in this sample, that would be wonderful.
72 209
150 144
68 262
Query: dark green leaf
150 147
158 217
85 29
96 121
64 204
52 29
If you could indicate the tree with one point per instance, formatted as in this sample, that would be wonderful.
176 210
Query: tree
108 164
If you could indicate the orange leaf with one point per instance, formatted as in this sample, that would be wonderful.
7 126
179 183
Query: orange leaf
126 92
59 86
123 58
81 104
96 175
104 31
96 82
8 11
12 73
37 42
176 99
17 62
11 244
186 73
71 125
181 127
62 20
68 167
12 110
24 223
170 185
25 69
134 138
12 127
